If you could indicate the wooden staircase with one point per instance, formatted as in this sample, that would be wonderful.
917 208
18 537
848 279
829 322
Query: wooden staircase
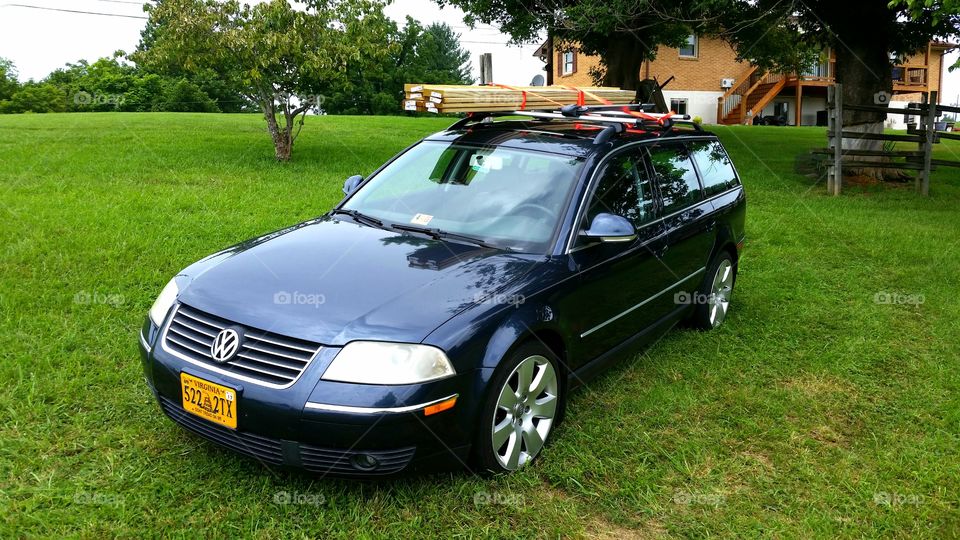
751 93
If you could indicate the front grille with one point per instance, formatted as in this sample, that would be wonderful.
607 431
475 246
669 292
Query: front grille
263 357
266 450
270 451
325 460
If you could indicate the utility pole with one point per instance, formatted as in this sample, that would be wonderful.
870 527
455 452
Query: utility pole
486 68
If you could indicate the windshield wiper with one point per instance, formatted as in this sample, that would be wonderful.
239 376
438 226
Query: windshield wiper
438 234
359 216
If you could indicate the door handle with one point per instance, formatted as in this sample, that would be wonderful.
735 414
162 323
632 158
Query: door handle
662 250
711 225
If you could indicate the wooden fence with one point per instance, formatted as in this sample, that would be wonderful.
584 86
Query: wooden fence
920 160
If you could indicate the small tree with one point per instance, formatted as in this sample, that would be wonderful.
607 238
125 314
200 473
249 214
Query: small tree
277 56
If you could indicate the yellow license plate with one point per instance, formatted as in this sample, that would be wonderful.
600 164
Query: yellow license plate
208 400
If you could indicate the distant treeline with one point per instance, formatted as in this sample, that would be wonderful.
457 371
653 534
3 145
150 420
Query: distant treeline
116 84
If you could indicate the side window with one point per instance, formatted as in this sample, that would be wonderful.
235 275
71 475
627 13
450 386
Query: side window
623 190
716 170
675 176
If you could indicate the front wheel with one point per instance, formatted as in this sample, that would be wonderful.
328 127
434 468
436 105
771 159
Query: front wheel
715 292
522 405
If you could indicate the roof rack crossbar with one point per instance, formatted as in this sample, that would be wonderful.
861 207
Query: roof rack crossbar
603 115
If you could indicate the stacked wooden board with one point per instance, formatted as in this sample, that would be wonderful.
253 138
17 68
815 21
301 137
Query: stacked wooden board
496 98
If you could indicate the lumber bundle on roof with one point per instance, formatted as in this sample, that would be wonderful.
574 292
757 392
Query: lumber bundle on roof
462 98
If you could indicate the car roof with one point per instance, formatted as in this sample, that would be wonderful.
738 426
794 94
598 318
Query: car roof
570 138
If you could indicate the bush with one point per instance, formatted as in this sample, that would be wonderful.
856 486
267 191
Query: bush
36 97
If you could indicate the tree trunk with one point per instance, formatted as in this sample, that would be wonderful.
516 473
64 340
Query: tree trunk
622 61
281 135
864 69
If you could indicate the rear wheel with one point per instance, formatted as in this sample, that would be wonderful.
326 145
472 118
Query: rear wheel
713 300
520 411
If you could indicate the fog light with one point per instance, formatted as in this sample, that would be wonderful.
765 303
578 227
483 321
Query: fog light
364 462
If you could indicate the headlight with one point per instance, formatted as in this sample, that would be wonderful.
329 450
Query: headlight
166 299
371 362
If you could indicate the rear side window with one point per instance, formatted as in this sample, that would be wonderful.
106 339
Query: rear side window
675 176
716 170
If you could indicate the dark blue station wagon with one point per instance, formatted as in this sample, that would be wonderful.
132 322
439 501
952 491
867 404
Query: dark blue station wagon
441 314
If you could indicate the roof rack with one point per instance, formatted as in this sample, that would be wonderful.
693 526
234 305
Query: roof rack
616 118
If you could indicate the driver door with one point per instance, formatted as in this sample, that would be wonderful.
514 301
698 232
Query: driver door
617 282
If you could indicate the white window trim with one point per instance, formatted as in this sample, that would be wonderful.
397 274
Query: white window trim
571 63
696 48
686 102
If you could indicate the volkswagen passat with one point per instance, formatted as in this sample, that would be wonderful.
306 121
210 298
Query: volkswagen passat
441 314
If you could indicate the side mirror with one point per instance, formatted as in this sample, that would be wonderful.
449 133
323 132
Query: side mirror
350 184
610 228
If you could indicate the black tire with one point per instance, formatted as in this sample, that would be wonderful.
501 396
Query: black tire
709 298
490 459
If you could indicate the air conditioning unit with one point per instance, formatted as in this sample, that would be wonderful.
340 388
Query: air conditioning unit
726 83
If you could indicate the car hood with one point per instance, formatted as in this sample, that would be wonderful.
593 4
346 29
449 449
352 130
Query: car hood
333 282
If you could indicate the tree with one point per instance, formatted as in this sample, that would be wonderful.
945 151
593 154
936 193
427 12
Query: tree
374 79
866 35
437 56
939 11
8 79
623 33
277 56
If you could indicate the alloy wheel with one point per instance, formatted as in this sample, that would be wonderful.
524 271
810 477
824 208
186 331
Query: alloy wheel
526 410
719 301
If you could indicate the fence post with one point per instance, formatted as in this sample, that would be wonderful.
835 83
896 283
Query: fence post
835 123
928 134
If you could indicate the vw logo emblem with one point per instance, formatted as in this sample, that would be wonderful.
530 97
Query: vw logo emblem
225 345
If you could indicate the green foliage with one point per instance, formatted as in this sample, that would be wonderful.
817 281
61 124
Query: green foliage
785 35
8 79
374 80
37 98
185 96
623 33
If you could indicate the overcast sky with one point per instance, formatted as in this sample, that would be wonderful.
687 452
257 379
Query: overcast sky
39 41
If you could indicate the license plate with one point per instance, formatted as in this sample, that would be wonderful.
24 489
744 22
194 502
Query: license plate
210 401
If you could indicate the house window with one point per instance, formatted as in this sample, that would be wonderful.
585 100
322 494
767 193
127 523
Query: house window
689 49
678 105
569 62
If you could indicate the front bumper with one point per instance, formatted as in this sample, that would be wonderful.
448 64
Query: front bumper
327 427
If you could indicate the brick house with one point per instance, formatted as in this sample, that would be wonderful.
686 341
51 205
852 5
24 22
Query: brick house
710 83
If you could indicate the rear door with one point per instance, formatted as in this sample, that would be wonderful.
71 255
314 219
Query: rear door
688 218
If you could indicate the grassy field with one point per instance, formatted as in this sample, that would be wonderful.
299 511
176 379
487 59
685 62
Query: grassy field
827 404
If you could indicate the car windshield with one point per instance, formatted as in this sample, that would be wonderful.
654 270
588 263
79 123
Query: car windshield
509 198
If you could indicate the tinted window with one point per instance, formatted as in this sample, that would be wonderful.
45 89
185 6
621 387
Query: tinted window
675 177
623 191
716 170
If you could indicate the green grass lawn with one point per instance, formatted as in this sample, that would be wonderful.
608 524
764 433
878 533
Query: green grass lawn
815 411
